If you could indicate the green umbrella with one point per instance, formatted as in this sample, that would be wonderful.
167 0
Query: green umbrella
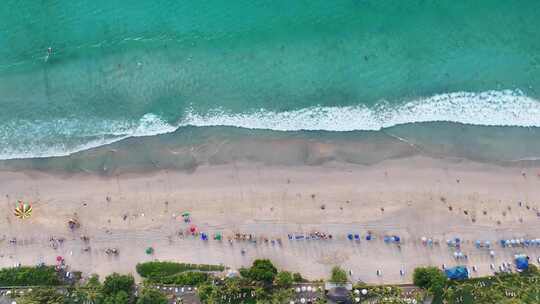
217 236
185 214
149 250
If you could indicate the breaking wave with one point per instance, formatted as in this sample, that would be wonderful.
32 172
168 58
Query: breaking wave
63 137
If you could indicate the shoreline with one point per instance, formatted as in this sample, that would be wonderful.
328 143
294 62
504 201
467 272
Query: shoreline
271 201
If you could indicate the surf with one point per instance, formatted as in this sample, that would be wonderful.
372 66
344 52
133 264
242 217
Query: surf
25 139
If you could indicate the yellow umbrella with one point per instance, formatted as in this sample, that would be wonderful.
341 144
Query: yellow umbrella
24 210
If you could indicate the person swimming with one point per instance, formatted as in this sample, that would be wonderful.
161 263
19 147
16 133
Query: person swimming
49 53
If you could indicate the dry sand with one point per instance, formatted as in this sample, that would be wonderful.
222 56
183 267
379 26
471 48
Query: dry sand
409 197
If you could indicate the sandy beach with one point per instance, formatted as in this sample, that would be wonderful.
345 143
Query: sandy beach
412 197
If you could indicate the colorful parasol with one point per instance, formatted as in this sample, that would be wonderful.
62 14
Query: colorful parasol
23 210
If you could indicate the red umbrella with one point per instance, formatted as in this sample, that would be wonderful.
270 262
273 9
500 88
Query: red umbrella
192 229
59 259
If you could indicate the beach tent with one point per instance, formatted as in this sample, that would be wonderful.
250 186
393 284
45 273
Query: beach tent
522 263
23 210
457 273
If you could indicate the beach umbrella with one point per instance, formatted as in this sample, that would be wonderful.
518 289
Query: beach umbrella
423 239
217 236
396 239
356 291
368 237
59 259
350 236
204 236
23 210
364 292
357 300
192 228
356 236
303 288
149 250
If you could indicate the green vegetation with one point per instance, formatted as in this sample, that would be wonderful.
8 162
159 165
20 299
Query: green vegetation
29 276
185 278
284 279
116 283
297 278
151 296
260 283
262 271
507 288
116 289
42 296
384 294
338 275
176 273
163 269
431 279
229 291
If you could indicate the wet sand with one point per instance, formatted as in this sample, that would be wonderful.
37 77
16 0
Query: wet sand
410 197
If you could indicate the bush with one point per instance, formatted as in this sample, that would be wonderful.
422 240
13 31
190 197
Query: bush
162 269
338 275
116 283
428 277
261 271
284 279
297 278
151 296
29 276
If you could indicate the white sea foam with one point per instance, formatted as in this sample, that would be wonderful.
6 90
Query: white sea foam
66 136
491 108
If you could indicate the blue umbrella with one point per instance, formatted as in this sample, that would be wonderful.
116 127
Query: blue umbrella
350 236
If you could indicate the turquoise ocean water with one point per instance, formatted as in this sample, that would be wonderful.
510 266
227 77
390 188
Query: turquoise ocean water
133 68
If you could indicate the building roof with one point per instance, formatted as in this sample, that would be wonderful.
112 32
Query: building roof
338 295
